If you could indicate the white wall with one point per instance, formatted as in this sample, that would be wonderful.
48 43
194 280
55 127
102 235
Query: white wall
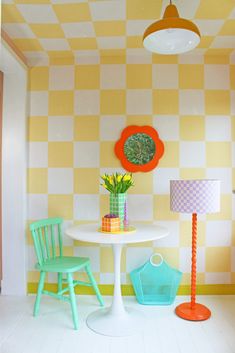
14 174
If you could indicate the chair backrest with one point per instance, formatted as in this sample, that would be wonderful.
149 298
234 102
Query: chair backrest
46 235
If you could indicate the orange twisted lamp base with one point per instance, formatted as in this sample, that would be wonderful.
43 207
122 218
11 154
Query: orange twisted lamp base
193 311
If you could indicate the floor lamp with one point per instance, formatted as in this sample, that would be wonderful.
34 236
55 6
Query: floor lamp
195 197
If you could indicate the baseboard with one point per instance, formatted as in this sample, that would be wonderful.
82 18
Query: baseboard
127 289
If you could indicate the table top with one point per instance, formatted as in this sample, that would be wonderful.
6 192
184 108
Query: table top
90 233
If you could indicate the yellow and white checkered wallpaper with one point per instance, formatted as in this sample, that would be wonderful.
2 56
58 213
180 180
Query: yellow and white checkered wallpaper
77 112
71 28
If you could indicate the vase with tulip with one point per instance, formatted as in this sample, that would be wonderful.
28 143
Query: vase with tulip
118 184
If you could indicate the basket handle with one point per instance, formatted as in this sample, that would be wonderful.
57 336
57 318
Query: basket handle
151 259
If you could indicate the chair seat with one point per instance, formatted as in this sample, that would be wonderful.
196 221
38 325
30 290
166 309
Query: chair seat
63 264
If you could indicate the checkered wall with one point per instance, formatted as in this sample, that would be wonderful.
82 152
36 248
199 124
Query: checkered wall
78 111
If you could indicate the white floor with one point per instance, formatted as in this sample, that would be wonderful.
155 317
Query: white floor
164 332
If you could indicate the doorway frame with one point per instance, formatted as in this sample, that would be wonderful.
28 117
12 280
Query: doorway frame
1 108
14 167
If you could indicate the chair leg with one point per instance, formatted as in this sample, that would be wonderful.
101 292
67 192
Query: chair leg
93 282
73 301
39 293
60 276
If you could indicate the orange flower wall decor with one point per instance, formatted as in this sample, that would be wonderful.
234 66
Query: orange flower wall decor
139 148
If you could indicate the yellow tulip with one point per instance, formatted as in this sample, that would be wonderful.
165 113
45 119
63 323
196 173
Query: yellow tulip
110 179
127 177
119 178
104 176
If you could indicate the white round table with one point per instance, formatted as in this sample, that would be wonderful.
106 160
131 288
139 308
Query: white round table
116 320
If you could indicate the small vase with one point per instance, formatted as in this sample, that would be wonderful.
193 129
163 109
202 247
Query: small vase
117 206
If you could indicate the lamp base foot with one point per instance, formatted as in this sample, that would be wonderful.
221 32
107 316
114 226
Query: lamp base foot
198 313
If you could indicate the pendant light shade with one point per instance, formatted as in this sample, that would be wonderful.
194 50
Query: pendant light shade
172 34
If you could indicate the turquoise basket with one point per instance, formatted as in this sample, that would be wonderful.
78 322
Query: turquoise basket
155 283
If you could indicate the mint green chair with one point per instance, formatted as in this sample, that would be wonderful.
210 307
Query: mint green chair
50 259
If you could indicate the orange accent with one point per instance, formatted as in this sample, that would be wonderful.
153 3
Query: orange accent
198 313
171 19
13 47
193 311
119 148
194 260
171 11
110 224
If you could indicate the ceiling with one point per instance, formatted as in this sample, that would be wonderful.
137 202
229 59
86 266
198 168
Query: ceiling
63 28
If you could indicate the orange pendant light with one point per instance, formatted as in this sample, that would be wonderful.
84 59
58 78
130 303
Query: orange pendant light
172 34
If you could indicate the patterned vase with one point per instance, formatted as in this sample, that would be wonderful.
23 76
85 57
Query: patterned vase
117 206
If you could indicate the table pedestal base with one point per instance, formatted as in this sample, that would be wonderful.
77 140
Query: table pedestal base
125 324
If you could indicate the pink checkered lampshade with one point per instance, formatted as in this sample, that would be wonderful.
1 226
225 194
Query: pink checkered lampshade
195 196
